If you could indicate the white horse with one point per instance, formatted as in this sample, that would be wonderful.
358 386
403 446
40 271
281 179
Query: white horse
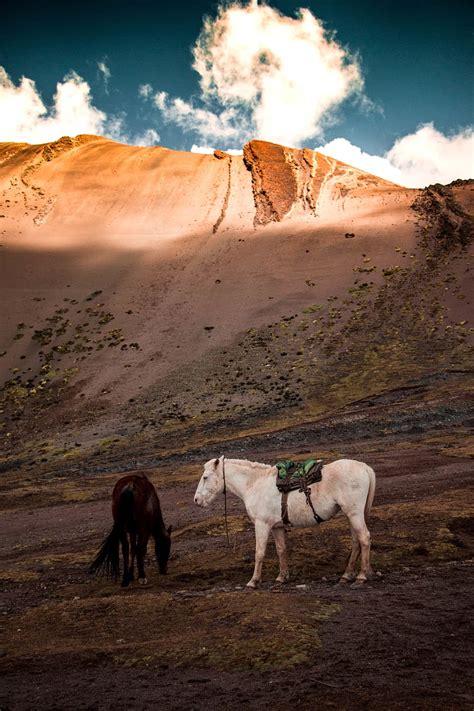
346 485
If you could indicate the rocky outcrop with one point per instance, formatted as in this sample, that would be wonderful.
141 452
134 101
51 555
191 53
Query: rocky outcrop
446 224
284 177
274 183
63 145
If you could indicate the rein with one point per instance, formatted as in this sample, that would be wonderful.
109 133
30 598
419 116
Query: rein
225 503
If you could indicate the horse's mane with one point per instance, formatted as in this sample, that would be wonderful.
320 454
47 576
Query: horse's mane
252 465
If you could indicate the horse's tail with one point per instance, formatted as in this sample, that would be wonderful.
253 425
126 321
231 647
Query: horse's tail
370 493
107 558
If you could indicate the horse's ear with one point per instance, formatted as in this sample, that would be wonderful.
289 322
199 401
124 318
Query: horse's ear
216 463
169 529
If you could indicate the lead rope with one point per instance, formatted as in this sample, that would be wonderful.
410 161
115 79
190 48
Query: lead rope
225 503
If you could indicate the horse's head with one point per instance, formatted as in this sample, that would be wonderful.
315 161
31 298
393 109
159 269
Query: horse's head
211 482
162 549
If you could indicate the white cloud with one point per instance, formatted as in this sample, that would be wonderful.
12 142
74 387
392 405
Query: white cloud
116 128
160 100
106 74
24 117
145 90
264 75
415 161
205 150
345 151
207 123
428 156
150 137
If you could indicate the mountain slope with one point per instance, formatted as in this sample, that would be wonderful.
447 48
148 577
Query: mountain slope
162 291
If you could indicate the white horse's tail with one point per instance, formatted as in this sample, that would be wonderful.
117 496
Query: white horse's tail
370 493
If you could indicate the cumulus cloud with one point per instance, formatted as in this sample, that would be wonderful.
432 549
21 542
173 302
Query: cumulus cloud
416 160
190 118
345 151
264 75
24 116
428 156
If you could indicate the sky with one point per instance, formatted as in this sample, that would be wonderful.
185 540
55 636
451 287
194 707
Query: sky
386 86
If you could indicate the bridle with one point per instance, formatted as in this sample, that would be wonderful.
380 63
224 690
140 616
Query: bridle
225 503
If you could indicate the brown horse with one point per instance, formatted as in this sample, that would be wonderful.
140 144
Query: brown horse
137 515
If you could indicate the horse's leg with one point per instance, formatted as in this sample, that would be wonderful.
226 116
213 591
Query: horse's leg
133 552
350 573
125 550
362 533
262 531
280 545
141 552
365 567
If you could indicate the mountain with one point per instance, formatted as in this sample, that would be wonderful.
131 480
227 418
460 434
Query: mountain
160 299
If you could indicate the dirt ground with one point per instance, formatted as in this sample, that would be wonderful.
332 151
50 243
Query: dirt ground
194 639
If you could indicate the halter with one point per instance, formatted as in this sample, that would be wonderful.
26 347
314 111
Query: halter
225 503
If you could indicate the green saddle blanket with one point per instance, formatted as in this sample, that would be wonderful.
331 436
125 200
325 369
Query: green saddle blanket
298 475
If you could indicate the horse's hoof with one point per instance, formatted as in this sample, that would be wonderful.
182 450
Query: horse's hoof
282 581
343 582
358 583
250 588
142 581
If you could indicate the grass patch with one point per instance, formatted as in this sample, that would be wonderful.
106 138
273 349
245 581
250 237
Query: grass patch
261 631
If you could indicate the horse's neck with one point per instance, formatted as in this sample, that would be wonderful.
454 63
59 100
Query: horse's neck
240 476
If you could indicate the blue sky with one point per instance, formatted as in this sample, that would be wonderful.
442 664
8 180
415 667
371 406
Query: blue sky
414 60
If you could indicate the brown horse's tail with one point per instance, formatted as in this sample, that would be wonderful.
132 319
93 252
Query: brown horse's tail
370 494
107 558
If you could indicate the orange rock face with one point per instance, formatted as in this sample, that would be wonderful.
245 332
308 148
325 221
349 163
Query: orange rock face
283 178
273 181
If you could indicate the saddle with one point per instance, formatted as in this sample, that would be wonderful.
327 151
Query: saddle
298 476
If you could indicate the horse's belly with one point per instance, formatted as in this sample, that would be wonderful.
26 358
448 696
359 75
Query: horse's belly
301 514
